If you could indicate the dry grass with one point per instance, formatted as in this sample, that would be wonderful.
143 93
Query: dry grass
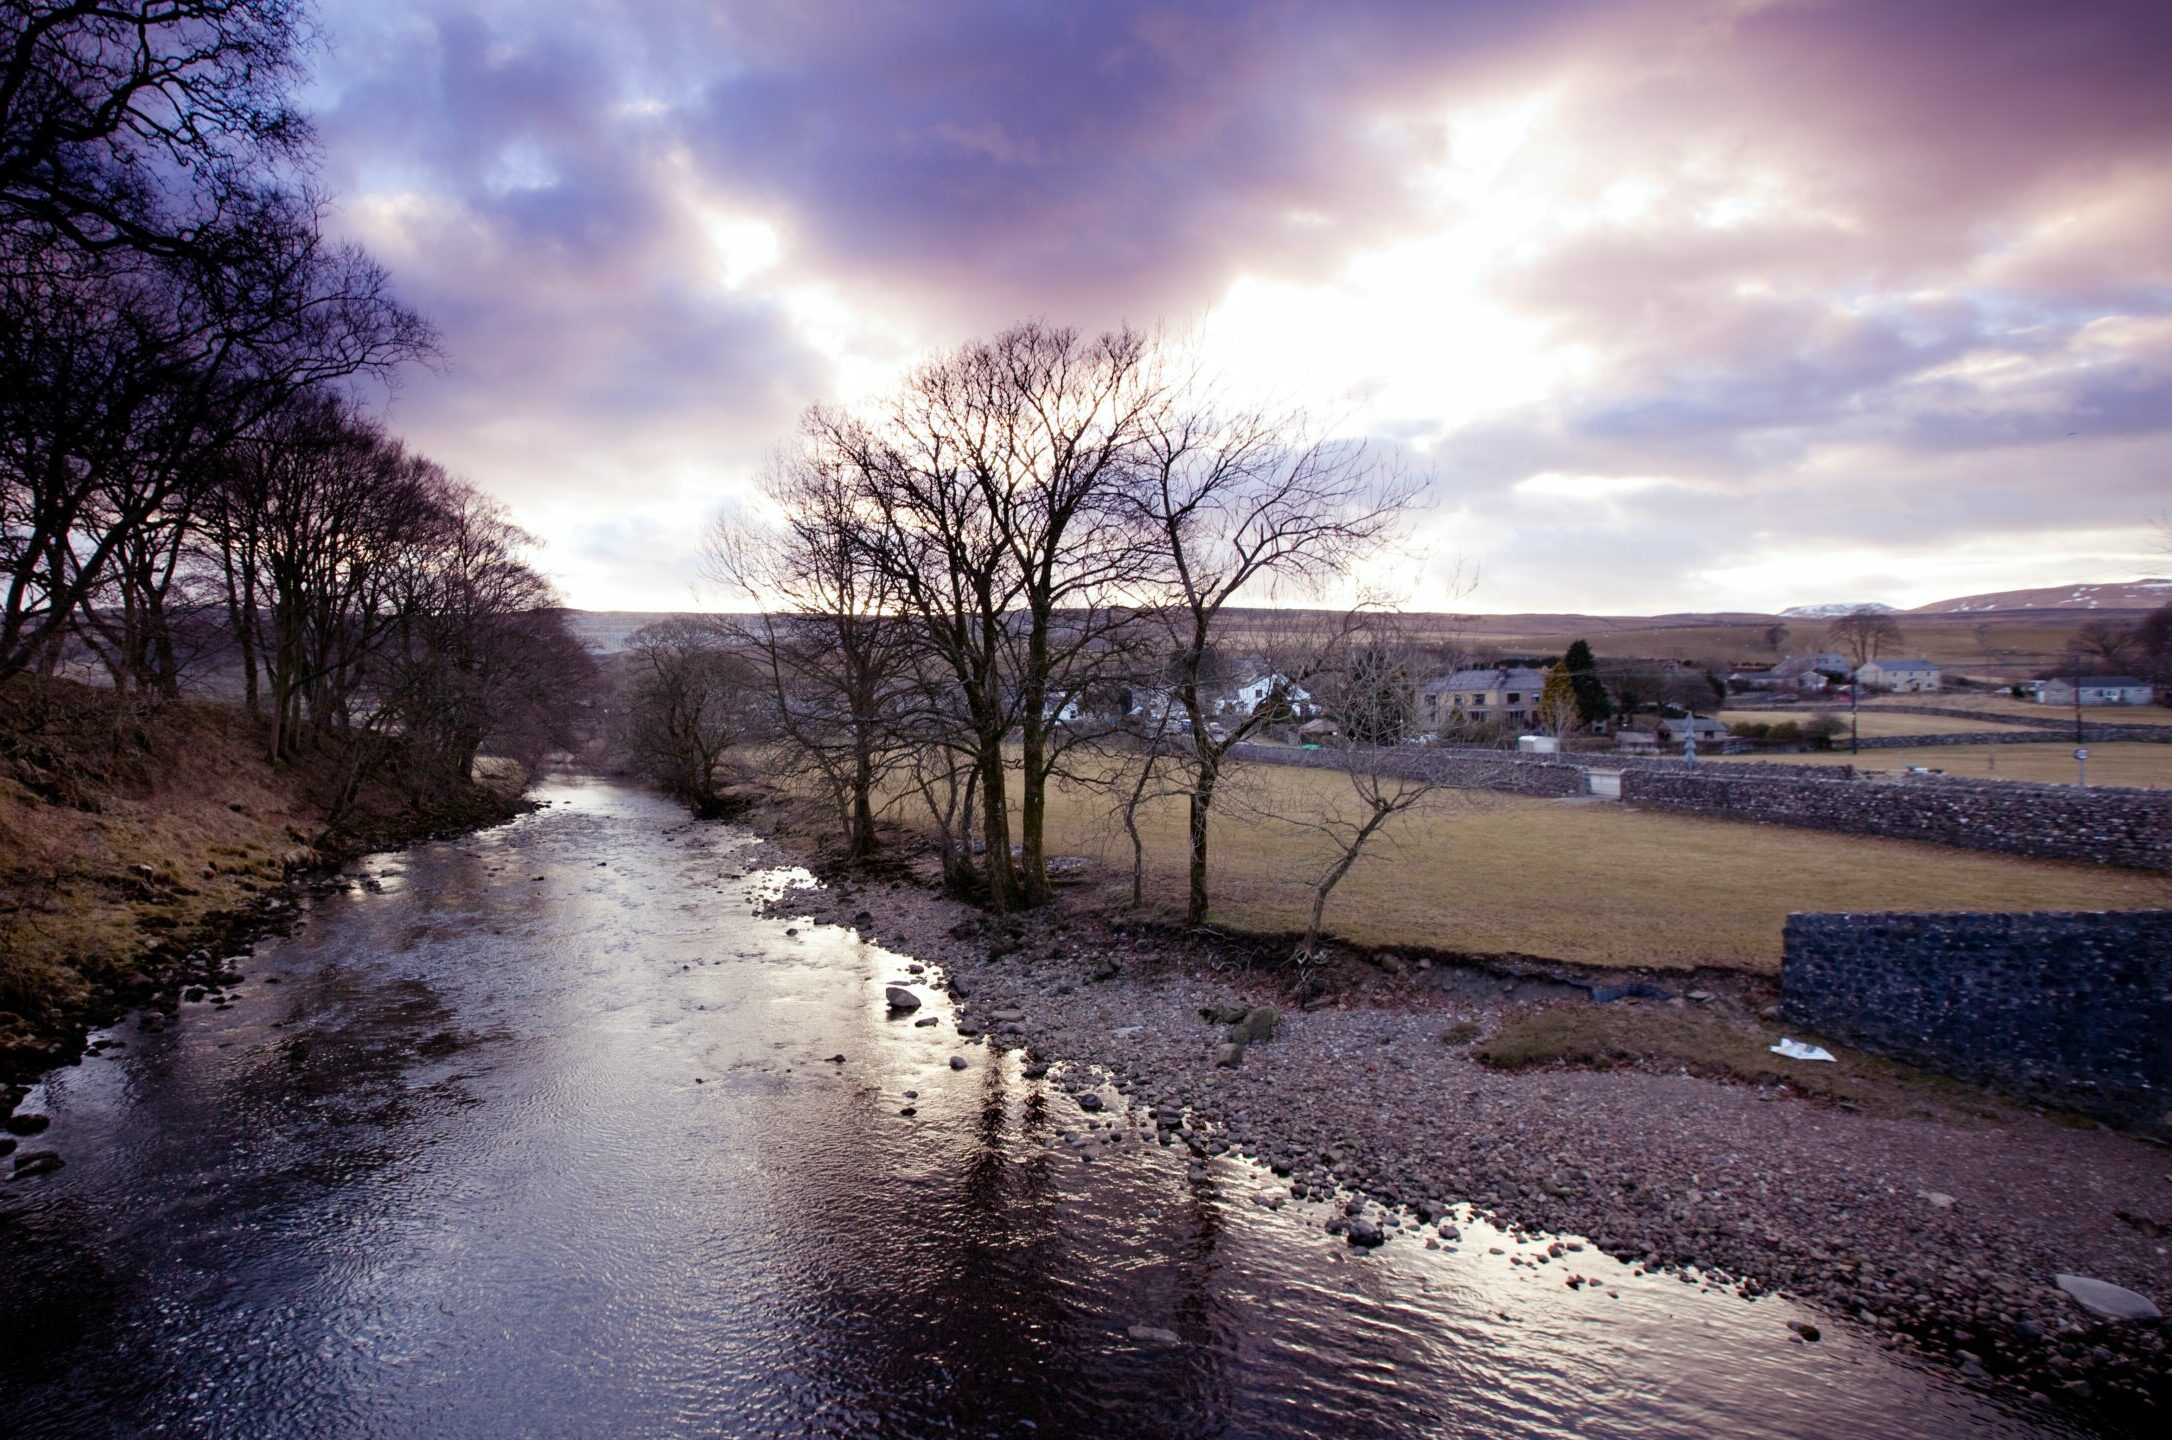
2122 762
1875 724
1998 704
1590 883
195 805
1636 1034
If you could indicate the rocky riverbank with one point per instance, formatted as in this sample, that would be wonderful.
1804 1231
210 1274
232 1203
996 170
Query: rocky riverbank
1938 1221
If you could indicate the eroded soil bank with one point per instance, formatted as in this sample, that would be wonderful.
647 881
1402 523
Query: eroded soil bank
140 847
1929 1214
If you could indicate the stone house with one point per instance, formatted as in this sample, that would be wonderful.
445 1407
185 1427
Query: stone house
1482 696
1675 729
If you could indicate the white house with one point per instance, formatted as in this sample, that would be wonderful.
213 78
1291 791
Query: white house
1902 677
1246 699
2096 690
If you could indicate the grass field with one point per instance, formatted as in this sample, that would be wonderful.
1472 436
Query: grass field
1591 883
2122 762
1998 704
1874 723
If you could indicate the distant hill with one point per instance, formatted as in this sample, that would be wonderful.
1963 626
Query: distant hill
2145 594
1834 612
607 631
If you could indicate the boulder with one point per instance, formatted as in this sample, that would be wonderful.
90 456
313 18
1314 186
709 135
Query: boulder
1229 1055
1259 1024
37 1162
900 999
2098 1297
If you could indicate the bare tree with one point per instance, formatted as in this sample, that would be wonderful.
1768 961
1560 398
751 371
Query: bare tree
1864 634
995 483
837 656
1382 783
694 699
2105 645
127 125
1246 504
481 651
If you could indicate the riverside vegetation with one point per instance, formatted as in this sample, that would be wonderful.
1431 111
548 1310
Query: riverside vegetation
977 690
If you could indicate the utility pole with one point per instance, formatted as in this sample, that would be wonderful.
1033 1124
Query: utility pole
1855 696
2077 698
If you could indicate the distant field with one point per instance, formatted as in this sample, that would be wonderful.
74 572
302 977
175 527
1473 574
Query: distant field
1872 723
2121 762
2008 705
1591 883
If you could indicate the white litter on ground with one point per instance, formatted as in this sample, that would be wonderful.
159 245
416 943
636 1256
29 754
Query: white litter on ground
1796 1050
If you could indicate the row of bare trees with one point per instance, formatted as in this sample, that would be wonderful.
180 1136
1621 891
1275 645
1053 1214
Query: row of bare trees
185 471
1038 545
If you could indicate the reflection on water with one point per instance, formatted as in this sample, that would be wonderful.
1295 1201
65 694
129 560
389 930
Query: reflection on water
541 1135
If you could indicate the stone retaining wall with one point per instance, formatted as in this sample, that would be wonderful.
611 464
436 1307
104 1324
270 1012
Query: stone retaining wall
2072 1009
2098 725
1549 777
1955 737
2104 825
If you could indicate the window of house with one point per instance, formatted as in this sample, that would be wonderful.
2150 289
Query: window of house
1514 698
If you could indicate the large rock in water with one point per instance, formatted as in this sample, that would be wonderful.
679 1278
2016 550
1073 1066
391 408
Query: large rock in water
2101 1297
900 998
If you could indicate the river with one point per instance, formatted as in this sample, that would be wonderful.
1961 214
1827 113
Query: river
540 1133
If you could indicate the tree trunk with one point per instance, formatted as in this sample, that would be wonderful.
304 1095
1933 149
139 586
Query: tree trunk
860 834
1004 894
1199 803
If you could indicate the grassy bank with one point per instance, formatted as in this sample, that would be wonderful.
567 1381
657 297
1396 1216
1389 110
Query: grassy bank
1589 883
130 836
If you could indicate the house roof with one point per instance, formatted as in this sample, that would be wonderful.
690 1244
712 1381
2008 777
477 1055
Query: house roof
2104 682
1496 678
1901 664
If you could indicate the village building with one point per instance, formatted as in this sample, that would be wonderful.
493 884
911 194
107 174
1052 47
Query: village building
1482 696
2096 690
1248 697
1806 673
1675 729
1902 677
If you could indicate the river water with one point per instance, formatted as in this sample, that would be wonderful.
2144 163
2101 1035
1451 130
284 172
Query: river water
539 1134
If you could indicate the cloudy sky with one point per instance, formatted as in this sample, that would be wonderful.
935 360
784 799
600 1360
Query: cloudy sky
1690 304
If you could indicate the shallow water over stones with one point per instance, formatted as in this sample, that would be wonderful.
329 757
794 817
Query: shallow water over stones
574 1156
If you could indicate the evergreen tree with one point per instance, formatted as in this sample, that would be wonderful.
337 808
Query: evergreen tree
1592 705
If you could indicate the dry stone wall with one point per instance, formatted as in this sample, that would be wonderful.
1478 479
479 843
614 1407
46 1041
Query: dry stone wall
2101 824
2072 1009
